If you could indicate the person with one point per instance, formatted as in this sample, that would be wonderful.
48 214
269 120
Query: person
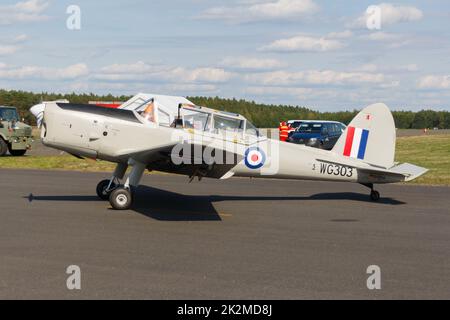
149 113
284 131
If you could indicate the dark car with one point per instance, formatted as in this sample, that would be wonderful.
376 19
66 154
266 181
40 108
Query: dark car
318 134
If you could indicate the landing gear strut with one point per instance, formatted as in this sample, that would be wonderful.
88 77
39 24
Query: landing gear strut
374 195
121 196
105 187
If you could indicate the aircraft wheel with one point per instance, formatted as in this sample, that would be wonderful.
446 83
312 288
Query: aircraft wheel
101 189
121 199
375 196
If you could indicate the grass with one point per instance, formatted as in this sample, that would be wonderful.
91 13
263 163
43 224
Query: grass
432 152
64 162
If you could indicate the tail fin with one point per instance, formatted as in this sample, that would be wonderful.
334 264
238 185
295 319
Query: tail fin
370 137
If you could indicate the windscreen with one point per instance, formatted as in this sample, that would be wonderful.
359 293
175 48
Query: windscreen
310 128
9 114
197 121
251 130
228 124
296 124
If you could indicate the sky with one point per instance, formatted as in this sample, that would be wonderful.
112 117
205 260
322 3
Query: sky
327 55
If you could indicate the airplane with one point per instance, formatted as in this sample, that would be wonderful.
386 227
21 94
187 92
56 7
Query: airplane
200 142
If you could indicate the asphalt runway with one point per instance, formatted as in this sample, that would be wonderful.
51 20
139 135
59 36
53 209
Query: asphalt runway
235 239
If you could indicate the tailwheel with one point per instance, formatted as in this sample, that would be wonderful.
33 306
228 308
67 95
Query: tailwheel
121 199
104 189
375 196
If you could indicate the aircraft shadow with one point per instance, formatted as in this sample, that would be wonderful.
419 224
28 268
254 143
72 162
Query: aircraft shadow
170 206
64 198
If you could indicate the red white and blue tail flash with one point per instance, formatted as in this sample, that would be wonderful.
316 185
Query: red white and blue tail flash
356 143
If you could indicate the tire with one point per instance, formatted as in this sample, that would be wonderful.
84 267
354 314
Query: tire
3 147
375 196
17 153
121 199
101 189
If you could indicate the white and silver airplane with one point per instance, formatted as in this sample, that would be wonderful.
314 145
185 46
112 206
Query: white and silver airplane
204 143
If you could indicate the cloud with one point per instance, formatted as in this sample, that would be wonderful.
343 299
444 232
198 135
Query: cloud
168 88
27 11
251 64
20 38
139 67
409 67
249 11
434 82
315 77
8 50
34 72
11 44
191 88
394 40
202 75
370 67
340 35
334 77
388 69
141 71
391 14
304 43
267 90
382 36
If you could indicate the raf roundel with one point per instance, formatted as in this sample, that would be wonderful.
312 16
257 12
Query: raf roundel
255 158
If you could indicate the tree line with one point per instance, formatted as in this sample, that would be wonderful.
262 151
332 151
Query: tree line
262 115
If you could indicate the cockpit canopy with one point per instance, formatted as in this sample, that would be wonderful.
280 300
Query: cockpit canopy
197 118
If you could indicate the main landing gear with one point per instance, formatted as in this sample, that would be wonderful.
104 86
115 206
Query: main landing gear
121 196
374 195
106 187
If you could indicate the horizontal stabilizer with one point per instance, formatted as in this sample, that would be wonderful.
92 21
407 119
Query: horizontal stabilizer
410 171
402 173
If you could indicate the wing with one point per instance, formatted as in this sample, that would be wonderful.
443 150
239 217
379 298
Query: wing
166 159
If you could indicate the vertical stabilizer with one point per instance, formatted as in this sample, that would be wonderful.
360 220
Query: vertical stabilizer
370 137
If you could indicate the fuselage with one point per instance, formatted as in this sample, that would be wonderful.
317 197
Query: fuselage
118 135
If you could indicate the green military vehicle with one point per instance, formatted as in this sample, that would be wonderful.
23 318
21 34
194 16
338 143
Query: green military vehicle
15 136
